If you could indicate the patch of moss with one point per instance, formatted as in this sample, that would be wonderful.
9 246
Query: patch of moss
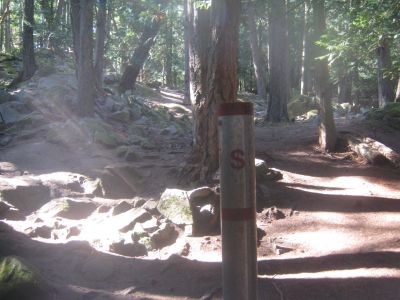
300 105
389 114
17 279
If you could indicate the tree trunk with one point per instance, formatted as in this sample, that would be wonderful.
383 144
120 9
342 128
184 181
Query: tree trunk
168 54
327 130
398 91
385 85
8 41
100 41
186 49
85 67
28 53
147 40
306 73
221 77
258 63
279 73
75 24
345 83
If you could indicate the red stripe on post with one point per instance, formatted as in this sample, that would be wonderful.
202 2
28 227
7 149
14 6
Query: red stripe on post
235 108
237 214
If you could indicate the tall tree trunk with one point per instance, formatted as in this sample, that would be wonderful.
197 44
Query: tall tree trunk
398 91
186 49
306 76
28 53
385 85
327 130
147 40
75 24
100 41
199 33
85 72
8 39
168 54
258 62
221 77
279 85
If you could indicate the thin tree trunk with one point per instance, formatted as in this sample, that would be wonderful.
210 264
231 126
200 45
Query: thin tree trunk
147 40
385 85
279 83
398 91
75 24
258 63
345 83
306 78
100 41
168 54
186 49
327 130
8 40
28 53
86 76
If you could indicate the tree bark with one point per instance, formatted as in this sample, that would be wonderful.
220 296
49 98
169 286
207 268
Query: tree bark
186 49
85 67
147 40
306 68
385 85
398 91
199 33
168 54
279 73
221 76
327 129
75 24
28 53
345 83
100 41
258 62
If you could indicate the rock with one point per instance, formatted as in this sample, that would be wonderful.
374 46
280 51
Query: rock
138 233
138 201
185 250
122 116
170 130
14 112
200 192
24 193
151 206
103 133
127 220
4 141
121 207
5 96
43 231
68 208
263 173
73 231
9 212
128 249
96 268
204 203
18 280
121 181
174 204
65 181
274 213
128 153
150 225
164 236
260 234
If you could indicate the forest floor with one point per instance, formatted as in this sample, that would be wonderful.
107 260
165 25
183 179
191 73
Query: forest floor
334 232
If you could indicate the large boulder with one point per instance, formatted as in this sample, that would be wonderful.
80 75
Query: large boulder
24 193
174 205
68 208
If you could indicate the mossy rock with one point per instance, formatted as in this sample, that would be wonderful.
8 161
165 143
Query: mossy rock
389 114
311 114
300 105
20 281
174 204
103 133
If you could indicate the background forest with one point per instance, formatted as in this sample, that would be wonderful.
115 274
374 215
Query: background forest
361 42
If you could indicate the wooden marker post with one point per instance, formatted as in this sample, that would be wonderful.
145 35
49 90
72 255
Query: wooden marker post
238 203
